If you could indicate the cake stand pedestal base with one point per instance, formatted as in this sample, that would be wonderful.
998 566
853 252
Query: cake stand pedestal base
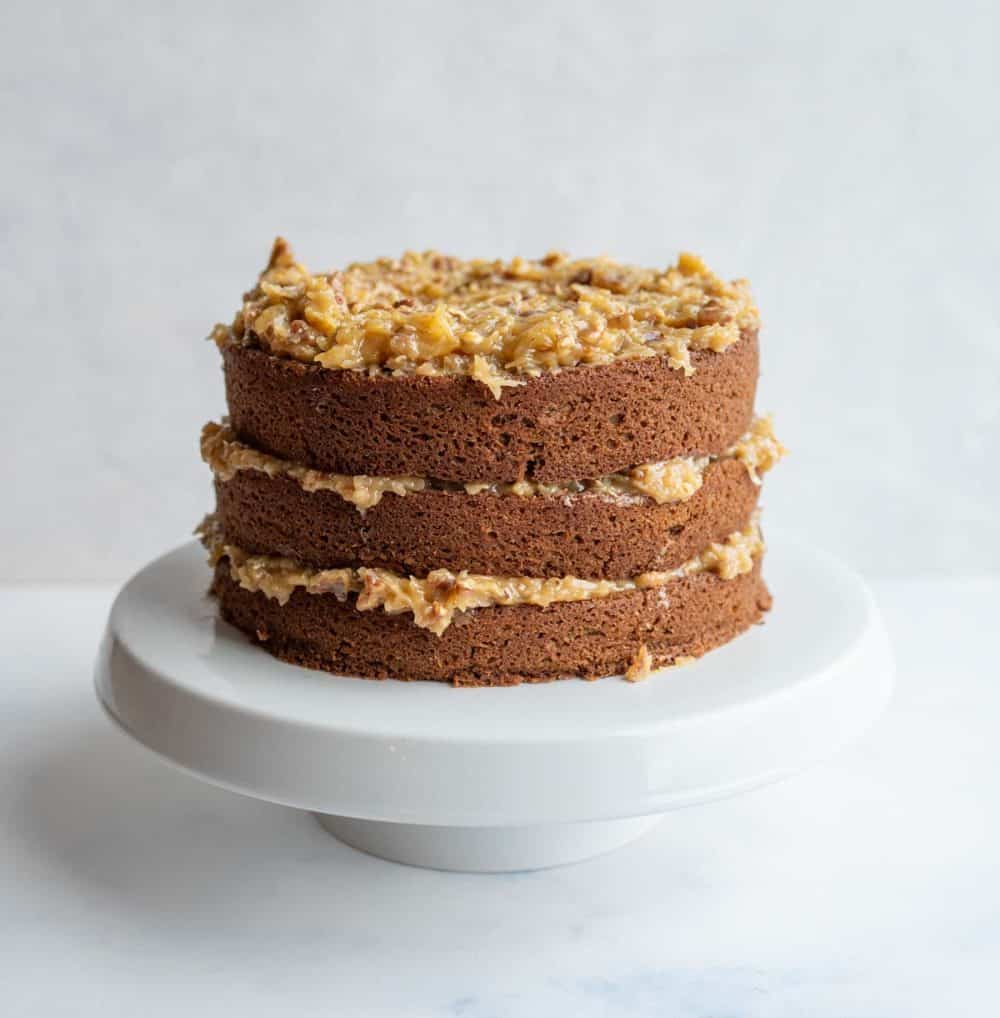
494 779
486 849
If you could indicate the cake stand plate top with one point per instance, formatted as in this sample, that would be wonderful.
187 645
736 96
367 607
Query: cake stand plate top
196 691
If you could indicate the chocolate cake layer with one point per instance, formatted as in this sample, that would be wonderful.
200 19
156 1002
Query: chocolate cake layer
585 534
577 423
501 645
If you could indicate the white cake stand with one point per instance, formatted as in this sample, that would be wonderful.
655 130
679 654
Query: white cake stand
495 779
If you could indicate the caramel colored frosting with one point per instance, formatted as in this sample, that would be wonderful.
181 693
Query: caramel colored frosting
667 481
495 321
759 449
674 480
641 665
435 599
225 456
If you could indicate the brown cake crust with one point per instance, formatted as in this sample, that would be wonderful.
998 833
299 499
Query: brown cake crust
581 422
502 645
587 534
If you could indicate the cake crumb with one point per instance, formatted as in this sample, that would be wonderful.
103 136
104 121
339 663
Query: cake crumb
641 666
682 660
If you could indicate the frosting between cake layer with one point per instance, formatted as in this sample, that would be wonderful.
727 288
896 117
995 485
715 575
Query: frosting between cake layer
667 481
435 599
226 455
431 314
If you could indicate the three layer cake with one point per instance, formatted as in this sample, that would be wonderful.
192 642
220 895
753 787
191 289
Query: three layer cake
487 472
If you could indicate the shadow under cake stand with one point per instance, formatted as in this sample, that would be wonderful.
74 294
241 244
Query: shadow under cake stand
495 779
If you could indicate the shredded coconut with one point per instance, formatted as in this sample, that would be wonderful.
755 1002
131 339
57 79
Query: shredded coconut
435 599
494 321
668 481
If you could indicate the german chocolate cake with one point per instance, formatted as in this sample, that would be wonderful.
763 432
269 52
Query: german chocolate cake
487 472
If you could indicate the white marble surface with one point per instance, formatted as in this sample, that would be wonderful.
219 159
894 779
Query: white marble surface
869 886
845 159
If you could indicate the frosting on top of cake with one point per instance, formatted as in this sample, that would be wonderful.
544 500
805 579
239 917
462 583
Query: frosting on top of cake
498 322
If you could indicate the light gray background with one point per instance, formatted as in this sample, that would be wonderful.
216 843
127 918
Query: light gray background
844 157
